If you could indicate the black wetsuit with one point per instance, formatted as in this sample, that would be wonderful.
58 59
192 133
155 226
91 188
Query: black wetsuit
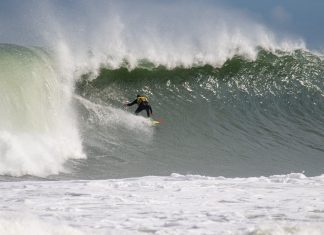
141 106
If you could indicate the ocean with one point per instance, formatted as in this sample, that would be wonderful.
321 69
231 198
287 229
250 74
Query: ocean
239 149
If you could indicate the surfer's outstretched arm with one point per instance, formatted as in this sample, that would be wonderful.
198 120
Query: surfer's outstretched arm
130 104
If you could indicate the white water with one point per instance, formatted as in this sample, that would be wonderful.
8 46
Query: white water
178 204
38 131
110 117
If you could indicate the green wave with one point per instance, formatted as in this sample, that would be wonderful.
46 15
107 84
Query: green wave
245 118
279 73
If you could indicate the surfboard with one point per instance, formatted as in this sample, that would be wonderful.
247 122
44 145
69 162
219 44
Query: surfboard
154 122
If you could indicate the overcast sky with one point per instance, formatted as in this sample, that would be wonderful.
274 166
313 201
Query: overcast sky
297 17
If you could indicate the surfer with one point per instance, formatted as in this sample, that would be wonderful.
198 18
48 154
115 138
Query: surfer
142 102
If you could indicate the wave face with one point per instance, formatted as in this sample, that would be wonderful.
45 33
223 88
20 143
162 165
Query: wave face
37 130
245 118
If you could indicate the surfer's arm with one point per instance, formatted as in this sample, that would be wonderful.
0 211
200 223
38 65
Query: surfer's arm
130 104
151 110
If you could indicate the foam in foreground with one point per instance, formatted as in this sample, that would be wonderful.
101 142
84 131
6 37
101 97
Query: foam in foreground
178 204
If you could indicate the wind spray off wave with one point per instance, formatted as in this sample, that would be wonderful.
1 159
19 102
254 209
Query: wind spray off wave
109 33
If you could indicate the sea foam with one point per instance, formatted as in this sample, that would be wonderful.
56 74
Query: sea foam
177 204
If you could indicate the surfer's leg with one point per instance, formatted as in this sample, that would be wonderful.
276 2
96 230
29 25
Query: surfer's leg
139 109
147 108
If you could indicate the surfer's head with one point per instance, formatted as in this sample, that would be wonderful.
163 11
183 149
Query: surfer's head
138 96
